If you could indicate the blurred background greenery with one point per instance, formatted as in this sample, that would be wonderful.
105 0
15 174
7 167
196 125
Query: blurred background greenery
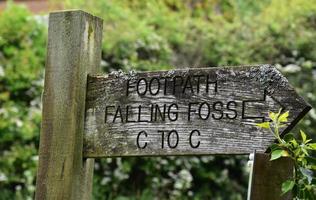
153 35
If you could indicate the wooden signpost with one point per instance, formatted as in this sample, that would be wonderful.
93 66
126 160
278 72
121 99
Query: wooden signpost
177 112
186 112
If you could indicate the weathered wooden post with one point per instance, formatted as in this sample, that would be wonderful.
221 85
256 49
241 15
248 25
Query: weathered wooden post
266 177
73 51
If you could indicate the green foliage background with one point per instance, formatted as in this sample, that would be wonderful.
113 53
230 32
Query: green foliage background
152 35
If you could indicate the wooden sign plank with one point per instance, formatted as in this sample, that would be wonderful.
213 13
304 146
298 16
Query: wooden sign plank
186 112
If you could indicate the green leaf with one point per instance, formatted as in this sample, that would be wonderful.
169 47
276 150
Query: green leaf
276 154
297 152
283 117
264 125
312 146
274 147
303 135
294 142
273 116
307 141
287 186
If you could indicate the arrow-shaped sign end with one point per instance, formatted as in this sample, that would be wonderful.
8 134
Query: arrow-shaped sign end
305 109
278 87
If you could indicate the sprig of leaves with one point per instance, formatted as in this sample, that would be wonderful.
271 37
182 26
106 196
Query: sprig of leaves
303 182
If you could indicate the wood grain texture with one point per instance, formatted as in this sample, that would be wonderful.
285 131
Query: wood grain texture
268 177
73 51
220 106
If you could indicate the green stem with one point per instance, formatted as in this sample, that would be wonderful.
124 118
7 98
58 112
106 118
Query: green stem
276 133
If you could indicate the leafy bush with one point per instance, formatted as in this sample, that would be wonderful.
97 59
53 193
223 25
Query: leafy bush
22 48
